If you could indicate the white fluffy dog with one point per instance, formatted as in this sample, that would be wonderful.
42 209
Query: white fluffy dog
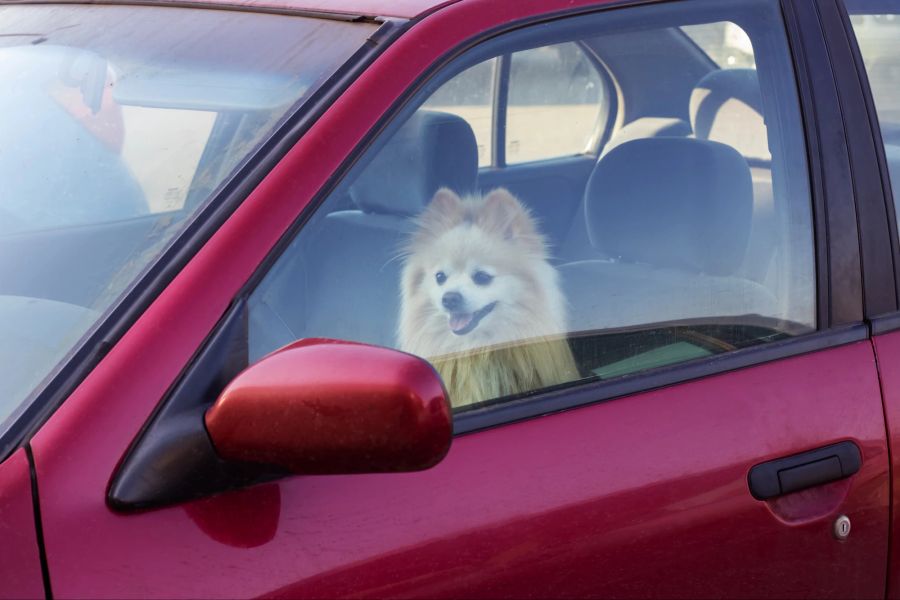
480 301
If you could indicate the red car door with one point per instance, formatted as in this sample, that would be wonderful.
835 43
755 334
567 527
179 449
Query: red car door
725 423
21 554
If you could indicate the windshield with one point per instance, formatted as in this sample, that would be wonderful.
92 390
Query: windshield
117 124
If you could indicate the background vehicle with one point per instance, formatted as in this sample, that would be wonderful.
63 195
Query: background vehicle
724 230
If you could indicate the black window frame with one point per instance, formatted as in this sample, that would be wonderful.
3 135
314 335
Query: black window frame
878 215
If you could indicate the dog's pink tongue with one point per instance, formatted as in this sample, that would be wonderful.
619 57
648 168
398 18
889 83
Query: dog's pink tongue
460 321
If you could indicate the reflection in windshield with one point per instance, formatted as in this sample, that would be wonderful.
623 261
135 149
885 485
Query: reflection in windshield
116 125
60 105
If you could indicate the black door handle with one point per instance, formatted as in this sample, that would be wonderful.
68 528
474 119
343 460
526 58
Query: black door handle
805 470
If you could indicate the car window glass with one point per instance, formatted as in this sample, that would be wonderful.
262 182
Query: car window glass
117 125
556 101
877 29
146 138
470 95
690 237
726 44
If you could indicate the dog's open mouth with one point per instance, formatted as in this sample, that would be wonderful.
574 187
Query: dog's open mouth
463 323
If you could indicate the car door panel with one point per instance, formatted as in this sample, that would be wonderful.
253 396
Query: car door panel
19 553
592 504
591 507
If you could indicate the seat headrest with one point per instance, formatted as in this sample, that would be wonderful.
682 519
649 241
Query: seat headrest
430 151
648 127
672 202
727 106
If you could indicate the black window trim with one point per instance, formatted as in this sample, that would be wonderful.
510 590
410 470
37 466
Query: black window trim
580 394
872 205
501 103
865 117
839 275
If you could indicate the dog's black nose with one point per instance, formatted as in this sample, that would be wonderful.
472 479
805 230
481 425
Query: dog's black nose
452 300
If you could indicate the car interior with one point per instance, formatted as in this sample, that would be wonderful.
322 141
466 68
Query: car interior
672 236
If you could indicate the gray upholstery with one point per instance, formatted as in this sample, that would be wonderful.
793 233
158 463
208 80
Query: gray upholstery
431 150
726 106
344 284
341 277
576 244
674 216
647 127
611 295
672 202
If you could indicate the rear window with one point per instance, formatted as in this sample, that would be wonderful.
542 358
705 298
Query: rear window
725 43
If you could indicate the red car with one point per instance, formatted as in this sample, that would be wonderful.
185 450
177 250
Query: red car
262 261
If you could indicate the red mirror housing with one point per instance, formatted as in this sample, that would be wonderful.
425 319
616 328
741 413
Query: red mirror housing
330 407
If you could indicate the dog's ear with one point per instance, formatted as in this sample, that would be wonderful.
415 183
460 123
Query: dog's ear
445 211
501 213
446 201
411 280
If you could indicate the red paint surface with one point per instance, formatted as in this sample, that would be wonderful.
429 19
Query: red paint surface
224 518
20 566
887 349
332 407
640 496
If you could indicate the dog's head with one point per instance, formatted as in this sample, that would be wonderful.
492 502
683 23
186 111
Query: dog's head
474 270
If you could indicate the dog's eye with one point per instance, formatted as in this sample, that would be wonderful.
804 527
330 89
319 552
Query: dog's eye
482 278
440 277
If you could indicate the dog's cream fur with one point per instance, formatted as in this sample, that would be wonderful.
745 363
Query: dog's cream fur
518 341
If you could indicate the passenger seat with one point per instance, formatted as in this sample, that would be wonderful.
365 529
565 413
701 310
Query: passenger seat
726 106
673 215
647 127
576 243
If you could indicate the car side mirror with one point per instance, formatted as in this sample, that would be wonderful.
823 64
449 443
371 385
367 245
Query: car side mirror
314 407
329 407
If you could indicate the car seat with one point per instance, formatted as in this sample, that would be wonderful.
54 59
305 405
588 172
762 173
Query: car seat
575 243
727 106
673 215
647 127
